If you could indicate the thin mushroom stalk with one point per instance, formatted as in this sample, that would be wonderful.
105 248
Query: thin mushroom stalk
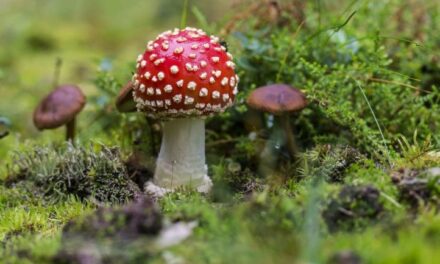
70 130
181 158
290 138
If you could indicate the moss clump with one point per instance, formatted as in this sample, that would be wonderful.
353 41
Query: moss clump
95 172
418 187
331 161
353 207
231 176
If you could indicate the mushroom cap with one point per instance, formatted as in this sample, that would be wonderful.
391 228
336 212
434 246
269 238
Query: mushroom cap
59 107
124 100
184 73
277 99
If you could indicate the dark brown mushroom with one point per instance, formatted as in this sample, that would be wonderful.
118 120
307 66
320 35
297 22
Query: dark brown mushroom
60 108
125 102
280 100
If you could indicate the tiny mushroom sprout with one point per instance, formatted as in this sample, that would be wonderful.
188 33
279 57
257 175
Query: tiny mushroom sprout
280 100
182 77
60 108
124 100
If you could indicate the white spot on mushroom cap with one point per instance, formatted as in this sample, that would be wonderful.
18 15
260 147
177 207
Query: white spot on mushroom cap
168 88
178 50
188 100
159 61
147 75
215 59
215 95
158 91
150 90
192 85
218 73
179 83
174 69
203 76
203 92
142 88
161 76
159 103
154 79
211 80
165 45
189 67
153 57
225 97
232 82
224 81
235 91
203 63
181 39
139 57
177 98
192 55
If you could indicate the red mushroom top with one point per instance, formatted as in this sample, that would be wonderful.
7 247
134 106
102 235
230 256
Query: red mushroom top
184 73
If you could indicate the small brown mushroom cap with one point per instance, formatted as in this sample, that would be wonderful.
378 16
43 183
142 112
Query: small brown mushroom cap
277 99
59 107
125 102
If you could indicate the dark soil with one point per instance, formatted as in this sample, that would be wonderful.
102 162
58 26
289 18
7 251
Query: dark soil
345 257
109 232
353 206
138 172
417 187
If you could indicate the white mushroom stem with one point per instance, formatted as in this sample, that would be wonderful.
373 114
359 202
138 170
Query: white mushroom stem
181 160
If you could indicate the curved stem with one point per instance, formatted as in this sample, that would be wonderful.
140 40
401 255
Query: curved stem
70 130
181 160
290 139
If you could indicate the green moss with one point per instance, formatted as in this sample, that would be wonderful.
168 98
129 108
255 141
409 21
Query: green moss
95 172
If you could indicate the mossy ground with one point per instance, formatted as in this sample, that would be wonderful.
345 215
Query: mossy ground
364 184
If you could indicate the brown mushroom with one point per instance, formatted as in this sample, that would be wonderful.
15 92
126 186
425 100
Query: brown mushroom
124 101
279 100
59 108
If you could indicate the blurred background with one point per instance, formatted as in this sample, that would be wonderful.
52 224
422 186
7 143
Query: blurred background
88 37
390 47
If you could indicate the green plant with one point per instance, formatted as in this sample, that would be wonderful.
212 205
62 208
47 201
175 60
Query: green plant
86 172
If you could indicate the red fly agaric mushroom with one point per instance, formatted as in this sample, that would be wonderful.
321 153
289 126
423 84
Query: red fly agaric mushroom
280 100
182 77
59 108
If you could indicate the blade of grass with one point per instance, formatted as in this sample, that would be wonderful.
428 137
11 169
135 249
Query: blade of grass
375 120
184 14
